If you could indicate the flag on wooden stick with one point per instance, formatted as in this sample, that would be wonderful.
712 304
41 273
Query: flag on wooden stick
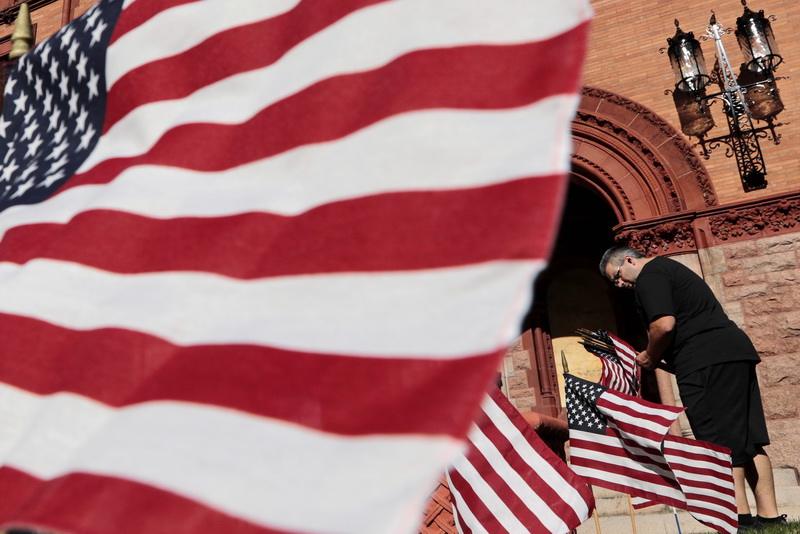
618 359
508 480
620 442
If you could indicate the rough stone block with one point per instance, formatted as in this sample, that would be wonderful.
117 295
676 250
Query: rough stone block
784 450
712 260
770 263
780 243
768 305
742 249
521 359
748 291
783 369
517 382
780 406
784 278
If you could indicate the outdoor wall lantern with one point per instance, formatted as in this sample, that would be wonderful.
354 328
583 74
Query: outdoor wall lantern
750 95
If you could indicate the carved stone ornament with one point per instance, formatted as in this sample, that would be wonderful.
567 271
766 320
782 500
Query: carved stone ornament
678 142
667 237
774 218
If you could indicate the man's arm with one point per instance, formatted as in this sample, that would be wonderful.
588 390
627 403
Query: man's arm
659 336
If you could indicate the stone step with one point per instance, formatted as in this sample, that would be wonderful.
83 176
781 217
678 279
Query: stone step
613 511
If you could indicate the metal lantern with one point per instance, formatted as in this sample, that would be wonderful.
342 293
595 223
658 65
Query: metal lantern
757 42
693 112
760 93
687 61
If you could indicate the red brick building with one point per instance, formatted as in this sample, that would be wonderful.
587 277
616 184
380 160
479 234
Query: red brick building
637 179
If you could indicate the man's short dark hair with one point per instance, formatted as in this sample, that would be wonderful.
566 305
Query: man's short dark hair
616 255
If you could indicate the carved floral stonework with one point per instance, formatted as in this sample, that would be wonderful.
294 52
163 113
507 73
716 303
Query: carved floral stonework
664 238
777 217
633 145
677 140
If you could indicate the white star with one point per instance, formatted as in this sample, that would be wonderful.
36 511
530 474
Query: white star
28 68
59 135
33 147
73 103
50 179
22 188
45 54
87 138
48 101
64 85
57 164
81 67
72 52
54 69
54 119
80 122
58 150
30 168
93 14
97 33
38 87
11 144
92 84
20 102
10 85
8 170
67 36
3 125
29 115
29 131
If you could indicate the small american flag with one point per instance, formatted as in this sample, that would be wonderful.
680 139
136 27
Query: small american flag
252 278
620 370
508 480
620 442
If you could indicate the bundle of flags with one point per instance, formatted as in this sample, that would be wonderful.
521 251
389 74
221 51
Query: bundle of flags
508 480
618 359
251 269
621 442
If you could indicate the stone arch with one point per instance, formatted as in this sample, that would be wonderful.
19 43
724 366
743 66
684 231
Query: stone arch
636 160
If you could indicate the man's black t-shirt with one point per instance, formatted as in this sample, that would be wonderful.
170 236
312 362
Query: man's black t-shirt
703 333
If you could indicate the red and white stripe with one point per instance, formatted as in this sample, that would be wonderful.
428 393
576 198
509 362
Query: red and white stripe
630 372
508 480
638 457
627 457
706 478
271 299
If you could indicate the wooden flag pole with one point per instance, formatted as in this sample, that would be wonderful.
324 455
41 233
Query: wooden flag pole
630 509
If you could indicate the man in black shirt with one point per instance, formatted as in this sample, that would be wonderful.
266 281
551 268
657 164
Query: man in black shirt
714 364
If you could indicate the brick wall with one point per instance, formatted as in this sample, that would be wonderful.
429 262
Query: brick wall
758 283
624 58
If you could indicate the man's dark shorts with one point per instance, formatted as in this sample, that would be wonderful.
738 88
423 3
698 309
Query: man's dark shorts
723 404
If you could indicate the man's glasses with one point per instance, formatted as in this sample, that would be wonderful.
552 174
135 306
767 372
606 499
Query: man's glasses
617 274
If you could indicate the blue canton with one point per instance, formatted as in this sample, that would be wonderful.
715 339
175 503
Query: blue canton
54 107
582 412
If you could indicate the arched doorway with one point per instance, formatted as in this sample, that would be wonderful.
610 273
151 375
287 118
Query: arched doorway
634 179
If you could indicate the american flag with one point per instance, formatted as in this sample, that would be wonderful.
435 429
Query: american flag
620 442
508 480
259 258
620 370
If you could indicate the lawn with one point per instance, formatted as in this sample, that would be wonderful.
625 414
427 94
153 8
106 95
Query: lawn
792 528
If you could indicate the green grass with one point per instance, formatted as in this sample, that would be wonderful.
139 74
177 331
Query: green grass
792 528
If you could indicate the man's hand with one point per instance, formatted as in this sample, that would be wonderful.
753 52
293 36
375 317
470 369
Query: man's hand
644 359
